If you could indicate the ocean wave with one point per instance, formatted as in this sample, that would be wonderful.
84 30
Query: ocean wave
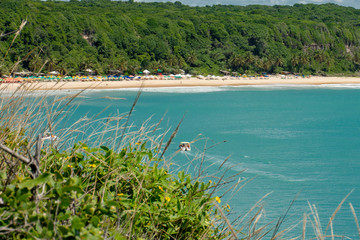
341 86
208 89
203 89
39 93
293 87
179 89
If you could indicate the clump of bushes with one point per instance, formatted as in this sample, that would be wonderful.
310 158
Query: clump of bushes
96 193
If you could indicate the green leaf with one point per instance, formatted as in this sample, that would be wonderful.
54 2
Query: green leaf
106 149
95 221
65 201
24 197
44 178
76 223
72 188
2 175
113 203
58 176
118 236
63 216
63 230
29 184
178 205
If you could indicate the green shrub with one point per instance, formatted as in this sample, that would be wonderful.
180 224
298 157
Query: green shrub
98 193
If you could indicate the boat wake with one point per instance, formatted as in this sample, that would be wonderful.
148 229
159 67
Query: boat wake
252 169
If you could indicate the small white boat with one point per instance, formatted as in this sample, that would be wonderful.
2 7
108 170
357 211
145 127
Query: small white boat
185 146
49 136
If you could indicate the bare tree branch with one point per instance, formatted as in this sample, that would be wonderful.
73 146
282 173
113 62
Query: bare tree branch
14 154
33 162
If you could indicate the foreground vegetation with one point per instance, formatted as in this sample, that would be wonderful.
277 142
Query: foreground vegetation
129 37
98 193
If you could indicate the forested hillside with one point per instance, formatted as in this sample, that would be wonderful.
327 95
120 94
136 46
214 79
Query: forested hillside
70 37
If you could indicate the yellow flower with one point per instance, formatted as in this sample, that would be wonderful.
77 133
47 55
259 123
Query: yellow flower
138 143
228 206
69 166
165 172
120 194
92 165
85 148
161 188
217 199
20 178
167 199
210 181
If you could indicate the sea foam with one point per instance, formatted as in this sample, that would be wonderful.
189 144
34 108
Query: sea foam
294 86
209 89
178 89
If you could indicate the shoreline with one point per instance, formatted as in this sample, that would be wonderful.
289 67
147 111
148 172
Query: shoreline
188 82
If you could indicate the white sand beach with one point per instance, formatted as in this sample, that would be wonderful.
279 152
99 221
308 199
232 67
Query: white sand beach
188 82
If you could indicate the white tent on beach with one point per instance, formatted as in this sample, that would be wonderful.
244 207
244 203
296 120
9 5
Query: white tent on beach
54 73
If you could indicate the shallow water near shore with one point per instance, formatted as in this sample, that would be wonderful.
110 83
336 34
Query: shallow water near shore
298 142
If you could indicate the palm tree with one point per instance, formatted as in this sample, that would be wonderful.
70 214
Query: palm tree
122 64
279 62
304 59
295 62
192 58
133 66
52 64
36 63
236 61
264 64
4 69
172 61
249 58
319 56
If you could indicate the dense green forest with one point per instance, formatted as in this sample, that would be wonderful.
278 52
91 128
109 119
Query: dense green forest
103 35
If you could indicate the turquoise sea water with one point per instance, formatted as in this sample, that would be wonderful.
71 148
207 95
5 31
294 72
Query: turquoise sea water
298 142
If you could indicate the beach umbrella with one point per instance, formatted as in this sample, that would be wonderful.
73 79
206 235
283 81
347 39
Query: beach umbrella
54 73
89 71
146 71
23 73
